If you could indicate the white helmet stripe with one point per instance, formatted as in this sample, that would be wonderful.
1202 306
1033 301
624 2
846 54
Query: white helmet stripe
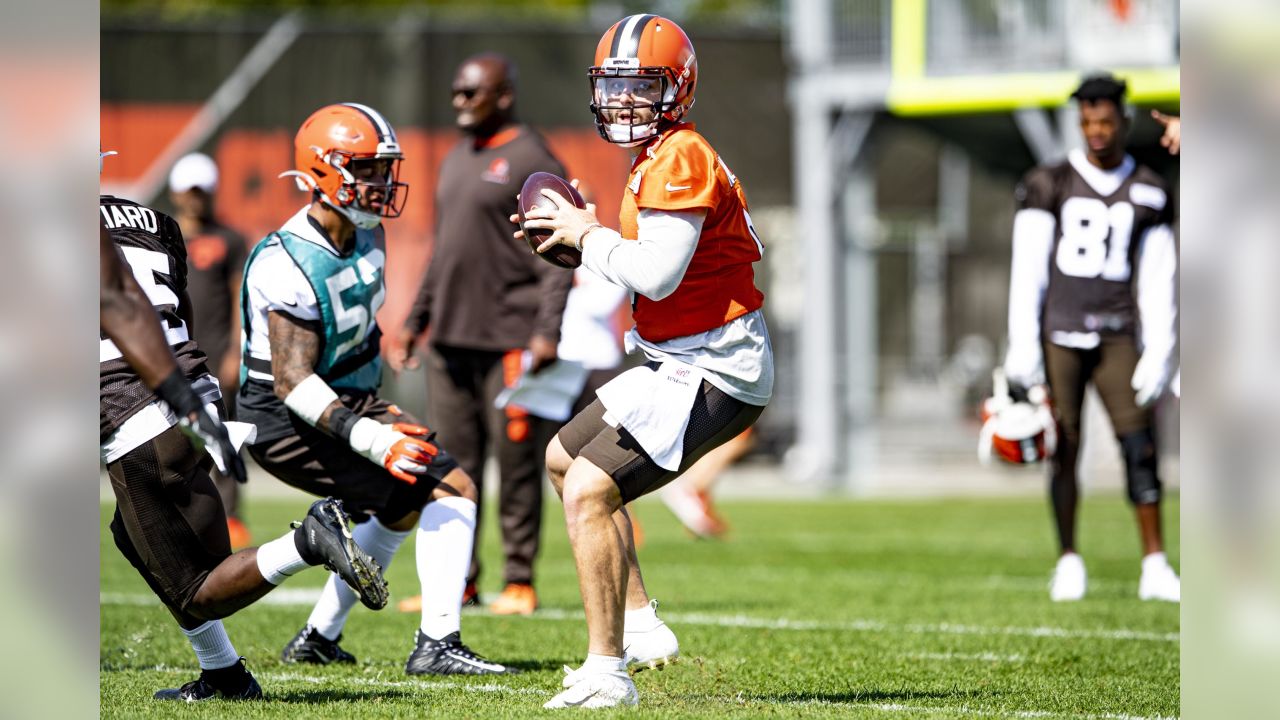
385 131
627 40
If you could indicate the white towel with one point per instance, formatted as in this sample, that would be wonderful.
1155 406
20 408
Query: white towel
654 406
549 394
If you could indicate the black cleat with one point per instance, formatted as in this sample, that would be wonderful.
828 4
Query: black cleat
309 646
470 596
325 539
223 684
448 656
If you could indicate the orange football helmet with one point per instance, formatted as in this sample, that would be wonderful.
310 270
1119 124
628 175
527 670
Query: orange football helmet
643 79
349 156
1018 431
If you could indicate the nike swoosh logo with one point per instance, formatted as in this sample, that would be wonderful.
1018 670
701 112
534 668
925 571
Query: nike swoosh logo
475 663
673 188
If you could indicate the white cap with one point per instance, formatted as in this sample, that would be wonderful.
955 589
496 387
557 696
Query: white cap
195 170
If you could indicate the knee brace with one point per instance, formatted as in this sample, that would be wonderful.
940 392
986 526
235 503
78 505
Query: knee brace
1139 450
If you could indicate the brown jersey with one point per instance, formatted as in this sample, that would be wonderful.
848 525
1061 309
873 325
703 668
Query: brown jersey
151 243
1100 218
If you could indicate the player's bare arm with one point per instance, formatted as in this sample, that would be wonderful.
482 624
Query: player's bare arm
128 318
295 348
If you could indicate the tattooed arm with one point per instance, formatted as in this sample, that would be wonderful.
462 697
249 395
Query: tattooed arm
401 448
295 349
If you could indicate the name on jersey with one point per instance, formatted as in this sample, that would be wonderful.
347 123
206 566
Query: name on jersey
134 216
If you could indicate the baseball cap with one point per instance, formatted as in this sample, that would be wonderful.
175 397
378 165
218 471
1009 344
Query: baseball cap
195 170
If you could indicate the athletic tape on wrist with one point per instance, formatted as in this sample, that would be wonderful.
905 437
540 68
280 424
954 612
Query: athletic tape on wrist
310 398
341 420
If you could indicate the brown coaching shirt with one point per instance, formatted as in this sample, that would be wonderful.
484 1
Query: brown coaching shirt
485 290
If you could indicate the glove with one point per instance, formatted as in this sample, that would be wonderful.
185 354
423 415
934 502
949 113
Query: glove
1024 365
206 431
404 449
1150 377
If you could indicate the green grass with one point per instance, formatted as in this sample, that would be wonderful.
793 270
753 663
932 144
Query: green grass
931 609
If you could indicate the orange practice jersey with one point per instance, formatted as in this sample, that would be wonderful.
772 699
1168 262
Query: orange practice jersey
681 171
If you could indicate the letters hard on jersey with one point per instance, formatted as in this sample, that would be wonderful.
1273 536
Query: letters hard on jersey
151 244
1100 219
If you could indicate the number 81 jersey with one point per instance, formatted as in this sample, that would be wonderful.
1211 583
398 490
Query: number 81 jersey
1100 219
151 243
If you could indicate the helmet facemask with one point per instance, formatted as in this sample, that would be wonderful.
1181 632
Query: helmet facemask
370 190
633 104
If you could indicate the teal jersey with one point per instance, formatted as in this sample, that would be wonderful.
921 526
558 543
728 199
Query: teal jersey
348 291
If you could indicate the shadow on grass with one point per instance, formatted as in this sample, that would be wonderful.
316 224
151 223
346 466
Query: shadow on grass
527 666
311 696
864 697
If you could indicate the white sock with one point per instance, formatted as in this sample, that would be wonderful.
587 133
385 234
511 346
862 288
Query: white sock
279 559
640 620
1154 560
329 615
603 664
446 532
213 648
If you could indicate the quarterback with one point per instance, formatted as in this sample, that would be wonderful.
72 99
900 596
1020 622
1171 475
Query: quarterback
310 377
685 251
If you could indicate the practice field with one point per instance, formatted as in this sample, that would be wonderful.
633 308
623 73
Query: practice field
934 608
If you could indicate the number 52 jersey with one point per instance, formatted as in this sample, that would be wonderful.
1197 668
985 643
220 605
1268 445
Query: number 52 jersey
1101 218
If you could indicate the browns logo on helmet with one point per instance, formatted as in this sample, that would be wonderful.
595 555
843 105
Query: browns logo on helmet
349 156
643 79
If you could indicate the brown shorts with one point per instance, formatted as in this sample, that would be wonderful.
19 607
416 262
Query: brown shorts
715 418
326 467
1110 367
169 522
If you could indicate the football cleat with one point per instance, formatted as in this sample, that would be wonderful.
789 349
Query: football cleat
327 540
448 656
239 534
649 648
309 646
1159 581
595 690
1069 579
694 510
516 599
211 685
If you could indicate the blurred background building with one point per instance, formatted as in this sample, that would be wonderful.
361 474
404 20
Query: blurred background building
879 142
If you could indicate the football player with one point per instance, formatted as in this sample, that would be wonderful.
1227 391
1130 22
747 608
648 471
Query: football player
1091 299
685 250
309 381
159 409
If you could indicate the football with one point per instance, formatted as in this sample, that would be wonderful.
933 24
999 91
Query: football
531 197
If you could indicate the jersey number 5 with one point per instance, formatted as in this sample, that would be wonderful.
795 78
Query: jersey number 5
1084 250
145 266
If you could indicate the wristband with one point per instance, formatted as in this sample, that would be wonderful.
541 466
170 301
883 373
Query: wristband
310 398
583 236
341 420
176 390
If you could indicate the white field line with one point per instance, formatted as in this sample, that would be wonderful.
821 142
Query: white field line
965 657
307 596
951 710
